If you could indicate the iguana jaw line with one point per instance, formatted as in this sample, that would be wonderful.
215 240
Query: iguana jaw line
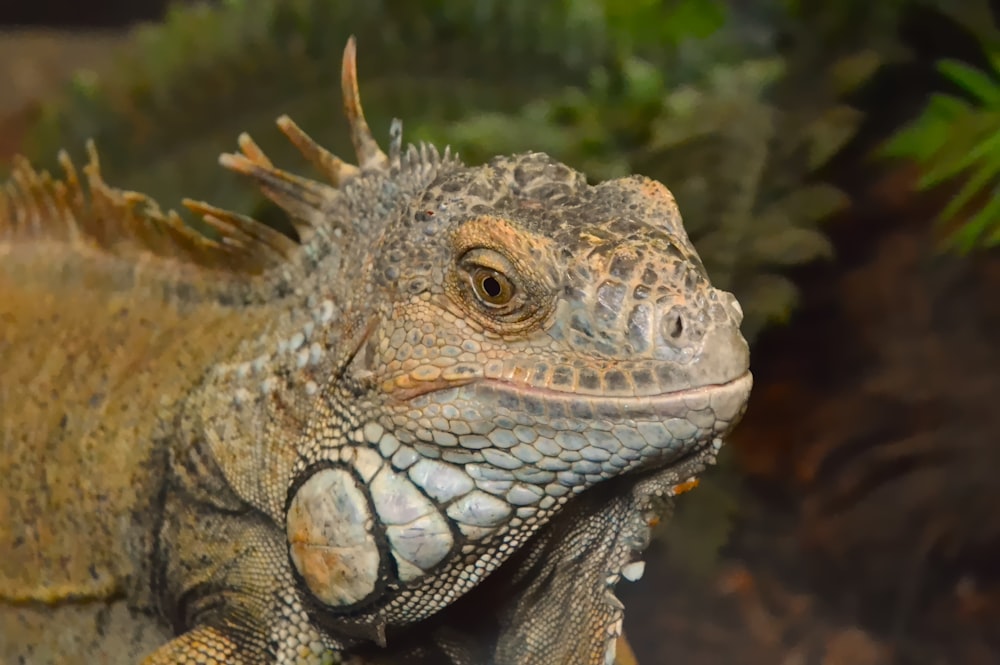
663 404
640 404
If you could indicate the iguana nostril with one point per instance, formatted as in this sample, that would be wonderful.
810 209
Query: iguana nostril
672 327
676 326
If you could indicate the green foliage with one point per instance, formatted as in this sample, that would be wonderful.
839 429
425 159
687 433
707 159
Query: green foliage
958 137
648 23
184 89
683 91
847 26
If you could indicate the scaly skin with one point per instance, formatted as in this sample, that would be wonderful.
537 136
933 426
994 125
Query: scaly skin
434 429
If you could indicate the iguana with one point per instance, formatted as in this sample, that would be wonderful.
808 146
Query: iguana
434 426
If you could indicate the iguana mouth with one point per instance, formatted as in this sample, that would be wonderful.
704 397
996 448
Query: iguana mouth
636 406
669 404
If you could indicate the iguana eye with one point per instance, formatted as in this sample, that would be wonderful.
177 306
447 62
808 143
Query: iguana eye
498 292
491 287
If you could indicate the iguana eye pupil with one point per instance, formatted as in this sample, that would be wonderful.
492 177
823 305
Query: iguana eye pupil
492 287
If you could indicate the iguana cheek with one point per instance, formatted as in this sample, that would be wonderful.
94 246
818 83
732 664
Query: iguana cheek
331 541
346 540
418 534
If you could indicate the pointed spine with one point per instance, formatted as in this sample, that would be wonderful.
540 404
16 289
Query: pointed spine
370 156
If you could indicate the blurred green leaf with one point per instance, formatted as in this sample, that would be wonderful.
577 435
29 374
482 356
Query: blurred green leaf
980 85
955 139
774 296
792 246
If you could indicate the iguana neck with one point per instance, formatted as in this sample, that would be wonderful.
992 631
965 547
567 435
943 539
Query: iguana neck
248 397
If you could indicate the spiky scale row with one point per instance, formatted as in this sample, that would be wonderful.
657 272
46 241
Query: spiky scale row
35 207
245 230
369 153
332 167
92 213
254 163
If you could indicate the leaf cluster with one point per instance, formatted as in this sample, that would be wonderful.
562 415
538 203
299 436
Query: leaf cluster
957 137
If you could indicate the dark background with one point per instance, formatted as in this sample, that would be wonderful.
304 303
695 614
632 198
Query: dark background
78 13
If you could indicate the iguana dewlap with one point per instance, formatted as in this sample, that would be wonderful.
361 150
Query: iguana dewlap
432 428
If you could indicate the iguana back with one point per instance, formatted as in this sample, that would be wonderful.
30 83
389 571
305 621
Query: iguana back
110 314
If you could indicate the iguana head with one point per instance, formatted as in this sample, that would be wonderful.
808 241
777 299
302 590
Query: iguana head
516 336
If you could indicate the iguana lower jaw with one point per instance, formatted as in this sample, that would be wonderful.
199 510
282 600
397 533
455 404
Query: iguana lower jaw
420 497
568 433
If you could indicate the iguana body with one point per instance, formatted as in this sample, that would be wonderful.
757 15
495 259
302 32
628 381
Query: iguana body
432 428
